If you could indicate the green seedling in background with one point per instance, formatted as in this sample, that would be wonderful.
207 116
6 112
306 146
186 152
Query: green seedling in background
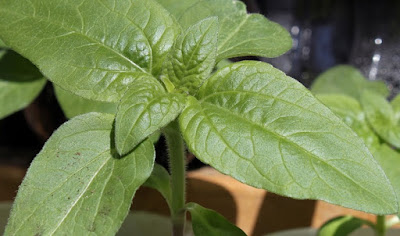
363 106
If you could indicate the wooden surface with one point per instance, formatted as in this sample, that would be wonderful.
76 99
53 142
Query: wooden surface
254 210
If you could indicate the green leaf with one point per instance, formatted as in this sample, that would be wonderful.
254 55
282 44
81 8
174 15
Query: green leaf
155 137
396 108
389 160
377 86
75 186
94 49
20 82
177 7
160 181
209 222
2 44
193 56
341 226
240 34
381 117
223 63
265 129
347 80
350 111
74 105
143 110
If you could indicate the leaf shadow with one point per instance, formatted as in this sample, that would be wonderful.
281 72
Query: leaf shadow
15 68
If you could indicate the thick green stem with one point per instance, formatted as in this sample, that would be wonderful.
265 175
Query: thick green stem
176 152
380 228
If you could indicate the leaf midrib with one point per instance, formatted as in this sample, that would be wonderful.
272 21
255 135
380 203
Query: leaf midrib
56 188
299 147
74 31
233 33
259 94
150 101
80 195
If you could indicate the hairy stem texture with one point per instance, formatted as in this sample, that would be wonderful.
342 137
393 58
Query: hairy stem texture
177 166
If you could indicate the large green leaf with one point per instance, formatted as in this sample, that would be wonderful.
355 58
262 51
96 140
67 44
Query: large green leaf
20 82
341 226
352 114
389 160
143 110
75 186
193 56
240 34
265 129
381 117
93 48
211 223
74 105
347 80
177 7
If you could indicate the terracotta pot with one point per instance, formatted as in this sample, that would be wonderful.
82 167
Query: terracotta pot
256 211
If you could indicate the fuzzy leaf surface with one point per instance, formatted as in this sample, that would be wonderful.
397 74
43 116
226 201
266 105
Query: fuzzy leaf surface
208 222
346 80
265 129
240 34
177 7
389 160
93 48
74 105
193 56
143 110
20 82
339 226
349 109
381 117
75 185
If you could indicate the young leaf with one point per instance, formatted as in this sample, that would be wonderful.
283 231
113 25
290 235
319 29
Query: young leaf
75 186
351 113
74 105
389 160
265 129
396 108
20 82
342 225
346 80
92 48
208 222
240 34
193 56
160 181
381 117
143 110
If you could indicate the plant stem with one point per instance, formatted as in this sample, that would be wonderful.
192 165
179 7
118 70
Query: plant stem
380 228
176 152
